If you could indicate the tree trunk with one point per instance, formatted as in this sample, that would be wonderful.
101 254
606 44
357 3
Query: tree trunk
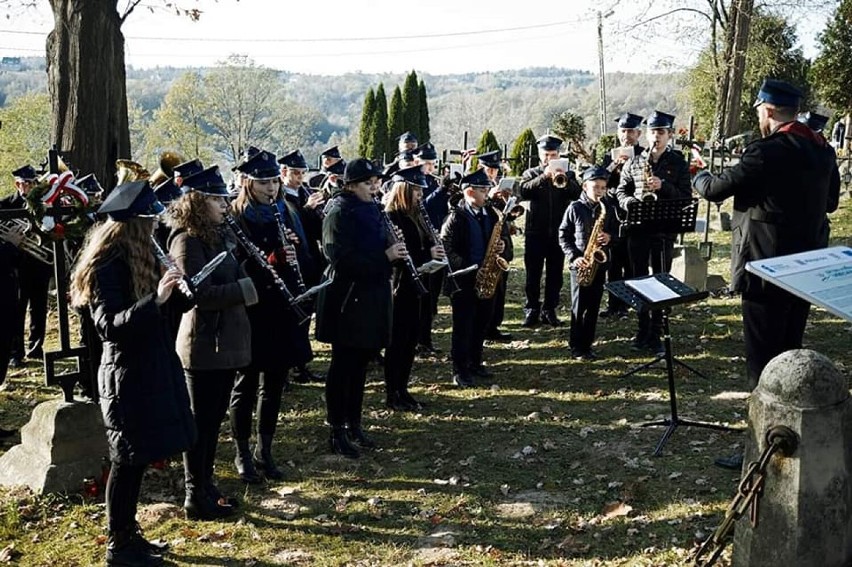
86 81
743 11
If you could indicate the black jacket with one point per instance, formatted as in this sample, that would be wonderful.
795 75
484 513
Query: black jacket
419 246
455 235
313 264
580 218
355 310
547 203
143 394
782 188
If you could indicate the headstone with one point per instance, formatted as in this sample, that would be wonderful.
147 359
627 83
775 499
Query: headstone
61 445
805 511
689 266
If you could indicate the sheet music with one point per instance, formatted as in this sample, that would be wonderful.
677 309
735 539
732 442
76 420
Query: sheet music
822 277
652 289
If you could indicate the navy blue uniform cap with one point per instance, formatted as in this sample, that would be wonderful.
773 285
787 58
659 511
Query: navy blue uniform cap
778 93
814 121
628 120
659 119
595 172
26 173
294 159
490 159
408 138
184 170
426 152
413 175
262 165
131 200
360 169
208 182
549 143
331 152
476 179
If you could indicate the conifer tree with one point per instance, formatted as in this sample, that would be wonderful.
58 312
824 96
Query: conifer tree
396 125
365 136
411 106
379 128
524 152
424 133
487 143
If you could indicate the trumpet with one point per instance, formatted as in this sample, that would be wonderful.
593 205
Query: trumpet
30 242
560 180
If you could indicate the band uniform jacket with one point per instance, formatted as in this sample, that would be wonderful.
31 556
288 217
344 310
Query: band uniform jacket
576 227
783 187
143 395
355 309
672 170
277 342
419 247
455 235
215 334
312 225
547 203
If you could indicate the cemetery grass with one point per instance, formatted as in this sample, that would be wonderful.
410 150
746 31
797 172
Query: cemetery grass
544 464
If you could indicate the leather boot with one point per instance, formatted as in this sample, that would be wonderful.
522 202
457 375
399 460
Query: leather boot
531 318
157 546
124 549
263 458
357 436
340 444
199 506
245 466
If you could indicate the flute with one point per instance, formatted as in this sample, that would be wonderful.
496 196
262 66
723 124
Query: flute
253 251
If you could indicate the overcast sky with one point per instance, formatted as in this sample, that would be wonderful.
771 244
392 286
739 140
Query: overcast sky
442 36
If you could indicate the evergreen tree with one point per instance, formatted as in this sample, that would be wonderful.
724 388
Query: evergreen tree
832 71
524 152
572 129
411 106
379 128
425 134
365 135
487 143
396 121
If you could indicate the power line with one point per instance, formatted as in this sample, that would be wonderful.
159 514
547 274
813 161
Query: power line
334 40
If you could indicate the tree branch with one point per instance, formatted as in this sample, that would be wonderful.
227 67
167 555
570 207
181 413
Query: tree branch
669 13
131 5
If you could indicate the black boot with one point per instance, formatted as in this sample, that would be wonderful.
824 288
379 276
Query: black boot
357 436
549 317
199 506
397 402
126 550
216 496
340 444
263 458
158 547
245 466
531 317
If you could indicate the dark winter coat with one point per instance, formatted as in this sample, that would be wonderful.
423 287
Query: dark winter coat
355 310
671 168
783 187
215 334
547 203
418 245
580 218
143 394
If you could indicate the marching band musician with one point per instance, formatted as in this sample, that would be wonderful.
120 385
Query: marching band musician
354 311
466 234
663 172
9 257
278 343
619 268
303 220
214 338
143 396
408 305
490 163
33 281
574 234
541 232
328 157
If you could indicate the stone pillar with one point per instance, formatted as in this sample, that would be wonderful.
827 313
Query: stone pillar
61 445
806 506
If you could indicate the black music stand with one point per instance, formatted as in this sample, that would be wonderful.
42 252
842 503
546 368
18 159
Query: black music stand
684 294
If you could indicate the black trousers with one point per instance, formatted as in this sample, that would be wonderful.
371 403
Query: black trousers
122 495
471 316
499 304
344 384
429 306
7 333
33 284
618 269
654 252
399 354
773 322
542 253
209 393
260 388
585 303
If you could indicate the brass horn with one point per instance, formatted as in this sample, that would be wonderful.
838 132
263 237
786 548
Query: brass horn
128 170
168 162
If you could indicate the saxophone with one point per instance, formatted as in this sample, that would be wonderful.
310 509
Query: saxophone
593 254
643 193
493 265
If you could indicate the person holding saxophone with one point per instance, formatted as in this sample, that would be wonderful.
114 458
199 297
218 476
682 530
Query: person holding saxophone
657 173
586 236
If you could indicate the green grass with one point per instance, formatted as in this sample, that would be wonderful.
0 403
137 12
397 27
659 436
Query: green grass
517 472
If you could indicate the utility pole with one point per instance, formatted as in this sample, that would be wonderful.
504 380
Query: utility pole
601 70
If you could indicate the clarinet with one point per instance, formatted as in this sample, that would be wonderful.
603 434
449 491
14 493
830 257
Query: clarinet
395 237
436 238
253 251
185 286
294 263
